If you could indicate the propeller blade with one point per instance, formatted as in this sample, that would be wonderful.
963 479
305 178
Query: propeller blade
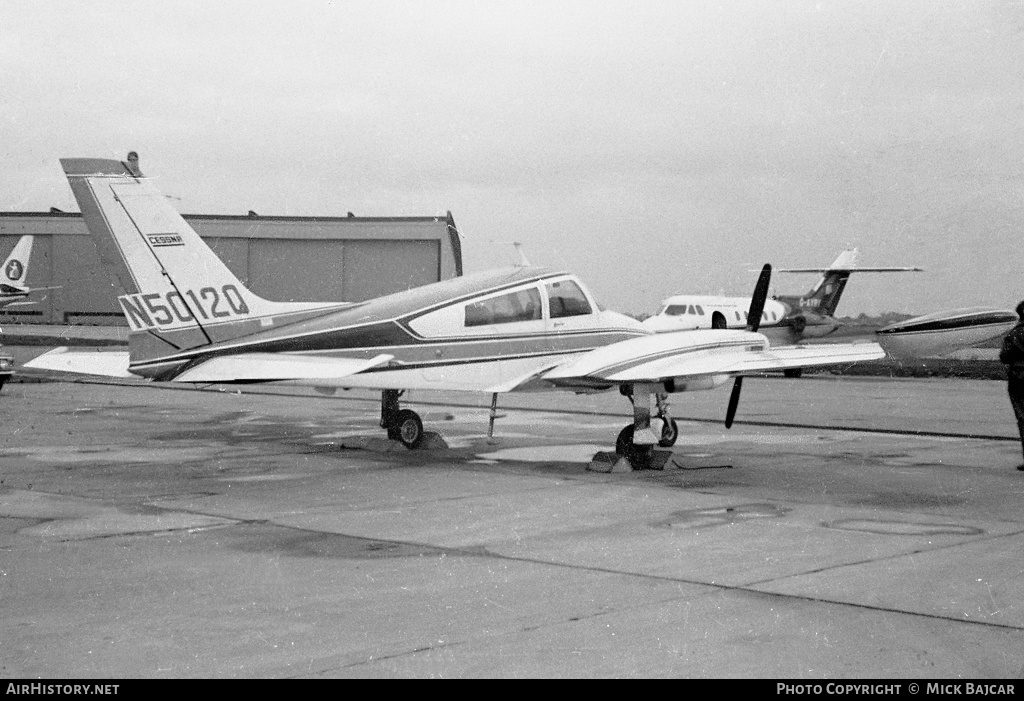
759 298
734 401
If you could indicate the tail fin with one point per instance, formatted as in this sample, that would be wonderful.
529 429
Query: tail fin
15 270
175 292
823 298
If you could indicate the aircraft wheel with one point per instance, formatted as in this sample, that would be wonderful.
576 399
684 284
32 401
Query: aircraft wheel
793 372
669 434
409 428
624 443
625 446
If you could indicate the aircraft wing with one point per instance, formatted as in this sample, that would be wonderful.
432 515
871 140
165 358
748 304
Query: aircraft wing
268 367
851 270
242 367
656 359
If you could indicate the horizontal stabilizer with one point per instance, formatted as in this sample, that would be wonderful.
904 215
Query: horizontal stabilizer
269 367
850 270
104 363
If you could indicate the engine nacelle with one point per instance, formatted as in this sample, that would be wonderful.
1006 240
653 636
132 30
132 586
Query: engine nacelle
694 384
811 325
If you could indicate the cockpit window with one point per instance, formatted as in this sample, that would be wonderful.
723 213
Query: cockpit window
567 299
523 305
675 309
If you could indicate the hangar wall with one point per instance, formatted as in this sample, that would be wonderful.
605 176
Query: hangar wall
300 259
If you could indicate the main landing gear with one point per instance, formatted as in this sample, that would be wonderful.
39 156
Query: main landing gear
636 440
402 424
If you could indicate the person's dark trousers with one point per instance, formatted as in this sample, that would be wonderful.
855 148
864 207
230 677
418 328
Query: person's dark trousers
1015 386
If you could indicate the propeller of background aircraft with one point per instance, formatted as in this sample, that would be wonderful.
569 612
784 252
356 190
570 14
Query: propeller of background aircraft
753 322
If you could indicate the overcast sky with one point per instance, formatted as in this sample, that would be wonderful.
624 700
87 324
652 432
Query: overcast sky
651 147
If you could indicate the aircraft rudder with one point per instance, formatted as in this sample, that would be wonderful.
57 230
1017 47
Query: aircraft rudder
170 278
15 267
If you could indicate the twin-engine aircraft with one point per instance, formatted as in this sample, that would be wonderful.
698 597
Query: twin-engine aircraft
785 319
13 290
507 330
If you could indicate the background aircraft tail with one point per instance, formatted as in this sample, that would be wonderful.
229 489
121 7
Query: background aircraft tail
823 298
15 269
174 291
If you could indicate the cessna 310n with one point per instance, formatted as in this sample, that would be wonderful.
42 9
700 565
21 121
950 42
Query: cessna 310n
508 330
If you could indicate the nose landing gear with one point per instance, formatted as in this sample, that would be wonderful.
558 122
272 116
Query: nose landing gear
636 440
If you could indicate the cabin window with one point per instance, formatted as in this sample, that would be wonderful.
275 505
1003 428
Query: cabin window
700 310
675 309
523 305
773 316
738 316
567 299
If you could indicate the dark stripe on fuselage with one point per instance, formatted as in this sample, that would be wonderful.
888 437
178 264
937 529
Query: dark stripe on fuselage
348 330
950 324
390 337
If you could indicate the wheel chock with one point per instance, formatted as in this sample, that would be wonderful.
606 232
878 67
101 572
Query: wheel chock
433 441
613 462
379 444
609 462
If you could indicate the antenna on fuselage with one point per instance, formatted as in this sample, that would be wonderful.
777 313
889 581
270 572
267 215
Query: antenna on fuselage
522 255
523 262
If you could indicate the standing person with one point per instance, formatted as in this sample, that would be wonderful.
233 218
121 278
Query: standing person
1012 355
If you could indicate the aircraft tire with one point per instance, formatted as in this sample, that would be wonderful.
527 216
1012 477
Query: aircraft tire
624 443
625 446
408 427
793 372
669 434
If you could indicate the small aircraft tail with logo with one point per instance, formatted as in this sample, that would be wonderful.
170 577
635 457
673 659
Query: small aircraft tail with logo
12 278
13 290
174 291
16 265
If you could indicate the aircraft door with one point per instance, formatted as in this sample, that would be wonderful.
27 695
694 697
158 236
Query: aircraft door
569 313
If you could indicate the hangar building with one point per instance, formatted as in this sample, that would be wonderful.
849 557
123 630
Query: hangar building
285 259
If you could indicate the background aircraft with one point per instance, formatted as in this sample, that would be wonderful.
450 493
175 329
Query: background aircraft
941 333
785 319
13 290
517 329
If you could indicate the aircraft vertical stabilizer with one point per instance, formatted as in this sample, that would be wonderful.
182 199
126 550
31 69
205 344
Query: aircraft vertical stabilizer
823 298
175 292
15 267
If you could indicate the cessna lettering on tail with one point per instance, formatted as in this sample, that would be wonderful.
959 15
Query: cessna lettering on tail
154 310
165 240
